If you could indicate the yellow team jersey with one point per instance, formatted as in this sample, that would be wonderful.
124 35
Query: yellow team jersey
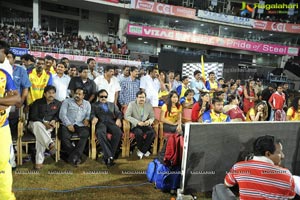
214 117
174 115
183 90
38 83
52 70
295 116
213 85
249 113
189 101
6 84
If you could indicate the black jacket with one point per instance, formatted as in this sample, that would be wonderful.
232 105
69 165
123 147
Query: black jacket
41 111
110 116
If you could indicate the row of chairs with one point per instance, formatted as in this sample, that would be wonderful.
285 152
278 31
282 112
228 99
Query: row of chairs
24 137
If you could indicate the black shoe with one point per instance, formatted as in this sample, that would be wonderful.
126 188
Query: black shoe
110 162
118 152
75 161
83 158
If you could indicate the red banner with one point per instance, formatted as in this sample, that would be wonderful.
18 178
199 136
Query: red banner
168 34
165 9
276 26
113 1
84 58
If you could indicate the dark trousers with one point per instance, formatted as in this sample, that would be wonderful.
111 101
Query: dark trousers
13 121
144 144
168 128
66 135
13 124
109 147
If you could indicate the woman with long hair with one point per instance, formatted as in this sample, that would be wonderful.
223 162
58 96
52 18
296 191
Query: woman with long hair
200 107
164 89
233 109
249 95
171 114
232 89
293 113
258 113
188 100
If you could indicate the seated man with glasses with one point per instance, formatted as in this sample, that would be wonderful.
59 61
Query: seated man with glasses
107 118
262 177
140 114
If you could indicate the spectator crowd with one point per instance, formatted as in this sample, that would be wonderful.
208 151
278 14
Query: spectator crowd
59 42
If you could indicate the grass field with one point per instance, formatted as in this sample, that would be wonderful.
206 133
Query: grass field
126 180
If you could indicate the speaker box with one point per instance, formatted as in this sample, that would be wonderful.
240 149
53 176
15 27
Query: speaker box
153 59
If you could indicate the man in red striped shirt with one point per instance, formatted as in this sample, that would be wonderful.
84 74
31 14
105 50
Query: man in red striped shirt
262 177
277 102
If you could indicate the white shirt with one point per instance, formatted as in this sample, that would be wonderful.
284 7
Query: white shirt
111 87
90 75
8 68
61 84
121 77
174 84
151 87
197 85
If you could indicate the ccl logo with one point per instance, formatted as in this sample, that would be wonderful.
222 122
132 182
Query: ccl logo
278 27
246 9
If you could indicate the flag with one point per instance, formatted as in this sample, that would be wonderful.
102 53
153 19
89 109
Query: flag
202 69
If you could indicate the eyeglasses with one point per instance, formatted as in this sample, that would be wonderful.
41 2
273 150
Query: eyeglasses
103 97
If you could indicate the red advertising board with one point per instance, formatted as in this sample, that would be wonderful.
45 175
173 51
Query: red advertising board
165 9
174 35
276 26
113 1
84 58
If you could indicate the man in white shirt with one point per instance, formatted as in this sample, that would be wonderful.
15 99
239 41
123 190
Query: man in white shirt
92 73
197 84
151 85
125 74
109 83
173 84
61 82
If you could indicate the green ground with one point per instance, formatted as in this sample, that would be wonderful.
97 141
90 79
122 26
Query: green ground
127 174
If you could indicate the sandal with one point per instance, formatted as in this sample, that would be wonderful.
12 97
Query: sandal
52 149
38 166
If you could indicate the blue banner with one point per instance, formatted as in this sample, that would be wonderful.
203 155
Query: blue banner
19 51
225 18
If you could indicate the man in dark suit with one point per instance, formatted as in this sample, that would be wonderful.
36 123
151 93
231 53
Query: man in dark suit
107 117
141 116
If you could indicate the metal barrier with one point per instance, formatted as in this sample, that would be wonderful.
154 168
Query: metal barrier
79 52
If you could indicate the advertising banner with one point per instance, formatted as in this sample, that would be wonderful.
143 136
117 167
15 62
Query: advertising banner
276 26
113 1
167 34
19 51
84 58
225 18
164 9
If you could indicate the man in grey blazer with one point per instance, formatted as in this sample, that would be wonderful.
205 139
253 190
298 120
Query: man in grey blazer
141 116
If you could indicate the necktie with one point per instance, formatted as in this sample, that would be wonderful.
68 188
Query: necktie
104 107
